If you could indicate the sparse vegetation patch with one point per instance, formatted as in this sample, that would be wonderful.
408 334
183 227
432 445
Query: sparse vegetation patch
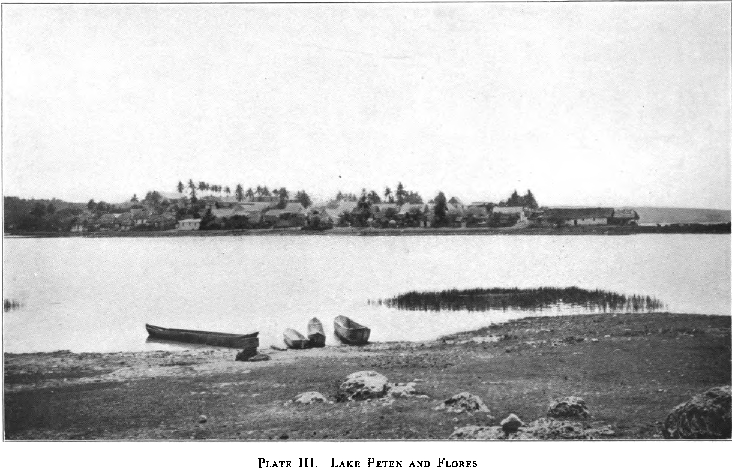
499 298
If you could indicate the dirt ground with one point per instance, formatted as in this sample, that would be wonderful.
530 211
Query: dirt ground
631 370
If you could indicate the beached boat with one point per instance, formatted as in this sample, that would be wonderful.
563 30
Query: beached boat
211 338
294 340
316 335
350 332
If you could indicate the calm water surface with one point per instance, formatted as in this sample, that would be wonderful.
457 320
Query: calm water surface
97 294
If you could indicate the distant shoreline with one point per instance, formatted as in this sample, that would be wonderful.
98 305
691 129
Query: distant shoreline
352 231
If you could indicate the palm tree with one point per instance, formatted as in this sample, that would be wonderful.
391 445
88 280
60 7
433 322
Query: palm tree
400 193
387 194
227 190
250 193
258 192
283 195
239 192
192 187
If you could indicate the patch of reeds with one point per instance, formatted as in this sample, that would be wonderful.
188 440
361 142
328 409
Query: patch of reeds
499 298
10 304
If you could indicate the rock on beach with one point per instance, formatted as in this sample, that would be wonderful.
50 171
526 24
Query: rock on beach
479 433
704 416
464 402
363 385
568 407
308 398
511 424
541 429
550 429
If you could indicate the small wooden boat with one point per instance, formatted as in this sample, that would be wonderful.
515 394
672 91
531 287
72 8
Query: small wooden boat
295 340
350 332
316 335
211 338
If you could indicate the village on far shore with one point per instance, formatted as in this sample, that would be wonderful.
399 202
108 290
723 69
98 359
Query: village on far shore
213 207
267 212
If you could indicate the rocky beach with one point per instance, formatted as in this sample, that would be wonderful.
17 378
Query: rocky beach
599 376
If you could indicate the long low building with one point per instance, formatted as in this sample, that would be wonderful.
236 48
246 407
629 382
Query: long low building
579 216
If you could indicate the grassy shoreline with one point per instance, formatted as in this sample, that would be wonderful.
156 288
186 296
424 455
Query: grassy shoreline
631 369
351 231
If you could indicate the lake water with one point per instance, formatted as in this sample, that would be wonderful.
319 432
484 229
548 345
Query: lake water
97 294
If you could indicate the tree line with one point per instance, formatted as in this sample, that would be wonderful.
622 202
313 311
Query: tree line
39 215
527 200
193 191
56 215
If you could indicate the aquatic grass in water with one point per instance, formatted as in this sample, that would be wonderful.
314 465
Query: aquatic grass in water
10 304
498 298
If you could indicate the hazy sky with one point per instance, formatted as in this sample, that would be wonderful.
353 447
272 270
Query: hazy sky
597 104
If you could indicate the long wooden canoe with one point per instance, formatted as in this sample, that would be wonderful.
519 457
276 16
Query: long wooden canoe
350 332
316 335
294 340
211 338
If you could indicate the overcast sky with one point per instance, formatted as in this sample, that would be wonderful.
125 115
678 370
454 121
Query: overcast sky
585 104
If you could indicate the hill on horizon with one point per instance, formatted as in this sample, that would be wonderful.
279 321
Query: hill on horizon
676 215
681 215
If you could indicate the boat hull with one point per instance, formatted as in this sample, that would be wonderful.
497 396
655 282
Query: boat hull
316 334
294 340
350 332
210 338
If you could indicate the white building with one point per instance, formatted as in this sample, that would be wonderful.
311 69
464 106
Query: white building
189 224
511 211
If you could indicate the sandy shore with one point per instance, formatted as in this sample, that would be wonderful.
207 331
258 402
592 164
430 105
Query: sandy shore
631 369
